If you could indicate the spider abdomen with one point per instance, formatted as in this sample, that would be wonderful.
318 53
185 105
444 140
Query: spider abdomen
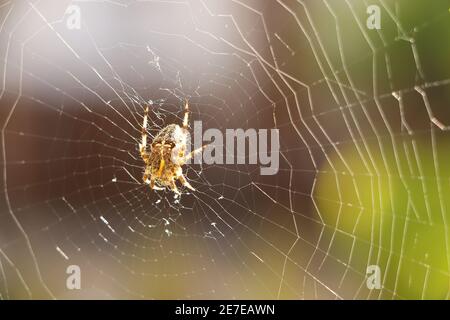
167 155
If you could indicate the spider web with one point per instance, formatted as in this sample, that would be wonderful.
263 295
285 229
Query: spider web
364 171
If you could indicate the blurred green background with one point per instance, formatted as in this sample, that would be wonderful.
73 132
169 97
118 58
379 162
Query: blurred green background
364 179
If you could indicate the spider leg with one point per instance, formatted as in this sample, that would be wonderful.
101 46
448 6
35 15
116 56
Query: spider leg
151 182
174 188
143 144
186 115
185 183
193 153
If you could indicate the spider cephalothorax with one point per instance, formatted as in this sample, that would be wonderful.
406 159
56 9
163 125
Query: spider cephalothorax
163 164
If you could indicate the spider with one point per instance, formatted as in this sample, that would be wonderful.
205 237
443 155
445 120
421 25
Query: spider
163 164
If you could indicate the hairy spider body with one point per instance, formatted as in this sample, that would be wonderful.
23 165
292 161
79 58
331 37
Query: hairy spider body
163 164
165 161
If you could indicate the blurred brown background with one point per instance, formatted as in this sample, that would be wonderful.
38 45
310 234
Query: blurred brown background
364 165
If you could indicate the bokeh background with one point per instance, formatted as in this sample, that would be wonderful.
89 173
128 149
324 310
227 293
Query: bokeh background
364 173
